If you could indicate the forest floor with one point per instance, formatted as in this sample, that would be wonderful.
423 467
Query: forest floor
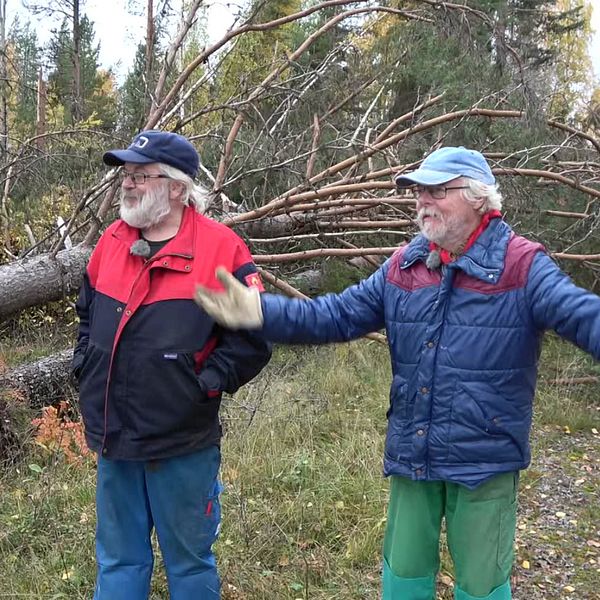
304 505
558 532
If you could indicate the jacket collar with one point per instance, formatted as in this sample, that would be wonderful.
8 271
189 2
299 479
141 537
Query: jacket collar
484 259
182 244
418 249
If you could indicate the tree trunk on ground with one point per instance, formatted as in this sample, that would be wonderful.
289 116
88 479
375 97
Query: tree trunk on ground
38 280
41 279
40 383
23 392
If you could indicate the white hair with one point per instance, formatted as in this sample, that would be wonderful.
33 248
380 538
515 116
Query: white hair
195 195
477 191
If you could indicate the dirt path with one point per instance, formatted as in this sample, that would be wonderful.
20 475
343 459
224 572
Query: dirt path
558 534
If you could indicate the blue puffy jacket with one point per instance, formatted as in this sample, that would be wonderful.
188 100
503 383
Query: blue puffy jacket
464 343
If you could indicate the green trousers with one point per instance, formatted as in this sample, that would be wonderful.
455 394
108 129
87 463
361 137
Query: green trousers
480 527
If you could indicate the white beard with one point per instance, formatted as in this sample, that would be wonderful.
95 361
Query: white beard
151 209
445 231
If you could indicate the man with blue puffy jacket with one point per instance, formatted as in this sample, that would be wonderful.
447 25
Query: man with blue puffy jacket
464 306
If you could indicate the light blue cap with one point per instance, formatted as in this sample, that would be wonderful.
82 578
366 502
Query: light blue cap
446 164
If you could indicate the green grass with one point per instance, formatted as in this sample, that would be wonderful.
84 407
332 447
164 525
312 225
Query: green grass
37 332
577 406
304 482
304 500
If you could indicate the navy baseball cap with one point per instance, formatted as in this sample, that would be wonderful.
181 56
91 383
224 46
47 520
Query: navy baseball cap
157 146
446 164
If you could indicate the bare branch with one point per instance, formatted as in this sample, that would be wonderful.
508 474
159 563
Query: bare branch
576 257
184 27
313 151
268 259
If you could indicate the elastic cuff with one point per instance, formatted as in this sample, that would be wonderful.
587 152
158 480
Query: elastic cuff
502 592
209 380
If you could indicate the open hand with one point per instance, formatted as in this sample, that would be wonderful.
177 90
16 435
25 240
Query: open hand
238 307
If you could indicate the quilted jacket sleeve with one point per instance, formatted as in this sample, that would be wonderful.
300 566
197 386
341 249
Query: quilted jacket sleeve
557 303
331 318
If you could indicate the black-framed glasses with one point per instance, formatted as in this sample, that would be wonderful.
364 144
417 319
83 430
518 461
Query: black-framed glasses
137 177
437 192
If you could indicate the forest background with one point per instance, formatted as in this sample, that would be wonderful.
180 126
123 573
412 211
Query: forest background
303 112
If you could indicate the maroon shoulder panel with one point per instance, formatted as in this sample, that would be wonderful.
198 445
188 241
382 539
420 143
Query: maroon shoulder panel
519 256
415 277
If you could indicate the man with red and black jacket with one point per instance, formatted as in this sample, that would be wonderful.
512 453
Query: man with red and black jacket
152 366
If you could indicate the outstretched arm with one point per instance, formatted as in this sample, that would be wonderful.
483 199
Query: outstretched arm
557 303
332 318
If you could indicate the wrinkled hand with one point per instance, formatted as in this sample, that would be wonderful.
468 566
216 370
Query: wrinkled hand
238 307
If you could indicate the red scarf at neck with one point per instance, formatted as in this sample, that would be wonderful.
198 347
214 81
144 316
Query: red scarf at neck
447 257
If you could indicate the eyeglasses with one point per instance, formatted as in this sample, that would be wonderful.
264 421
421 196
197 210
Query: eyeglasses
137 177
437 192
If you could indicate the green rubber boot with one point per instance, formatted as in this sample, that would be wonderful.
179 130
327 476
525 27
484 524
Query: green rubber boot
500 593
401 588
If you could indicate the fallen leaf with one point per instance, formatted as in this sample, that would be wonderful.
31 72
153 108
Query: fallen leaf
525 564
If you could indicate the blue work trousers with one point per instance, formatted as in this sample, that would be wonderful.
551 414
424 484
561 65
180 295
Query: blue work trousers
179 497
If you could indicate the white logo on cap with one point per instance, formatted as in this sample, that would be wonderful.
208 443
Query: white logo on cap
141 141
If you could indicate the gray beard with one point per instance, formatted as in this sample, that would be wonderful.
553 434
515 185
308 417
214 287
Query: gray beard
151 210
450 225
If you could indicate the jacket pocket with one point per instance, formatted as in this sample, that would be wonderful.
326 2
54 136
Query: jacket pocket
397 443
487 426
92 387
398 409
164 396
